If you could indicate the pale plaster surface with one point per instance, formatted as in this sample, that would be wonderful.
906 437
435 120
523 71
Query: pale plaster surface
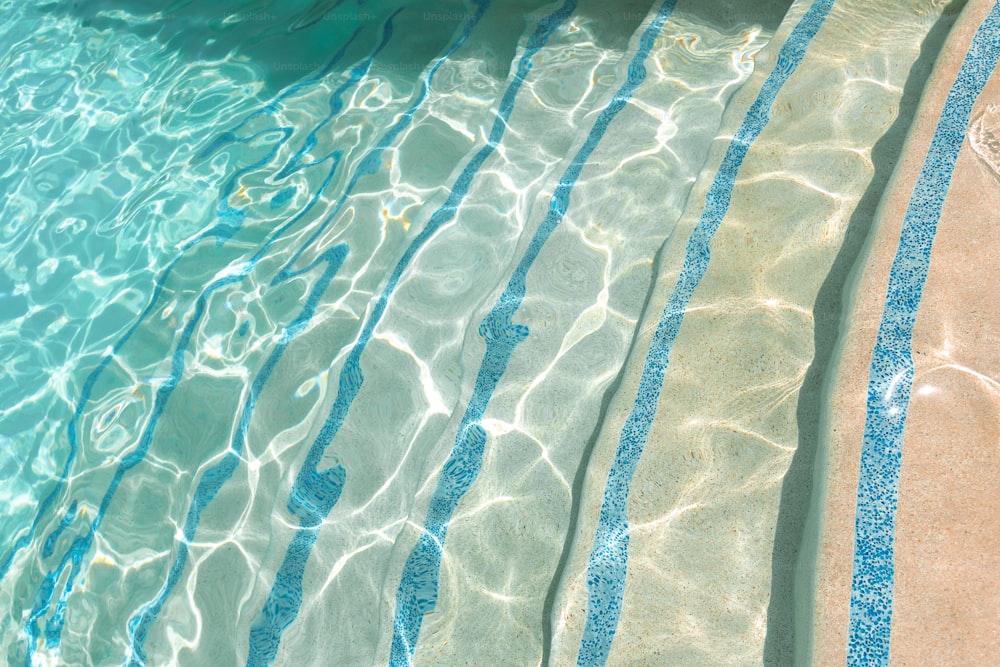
947 598
705 497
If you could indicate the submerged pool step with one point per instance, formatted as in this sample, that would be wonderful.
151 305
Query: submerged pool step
409 360
424 368
705 581
236 521
582 298
908 551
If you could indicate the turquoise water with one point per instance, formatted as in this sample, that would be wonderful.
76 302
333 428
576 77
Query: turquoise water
312 314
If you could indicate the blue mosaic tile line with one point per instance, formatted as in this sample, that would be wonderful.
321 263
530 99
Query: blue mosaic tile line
372 161
418 586
91 380
606 568
285 599
73 558
304 501
351 377
212 480
891 375
314 492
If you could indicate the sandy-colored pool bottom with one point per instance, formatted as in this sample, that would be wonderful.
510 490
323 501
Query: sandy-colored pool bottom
946 602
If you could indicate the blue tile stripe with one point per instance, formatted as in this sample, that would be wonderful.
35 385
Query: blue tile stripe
222 231
73 558
285 599
213 479
314 492
891 375
351 377
372 161
417 593
91 380
608 560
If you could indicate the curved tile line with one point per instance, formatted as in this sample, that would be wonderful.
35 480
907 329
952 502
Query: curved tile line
351 377
285 599
417 593
315 492
69 516
213 479
231 220
80 545
606 567
78 548
890 377
311 502
94 375
356 74
271 108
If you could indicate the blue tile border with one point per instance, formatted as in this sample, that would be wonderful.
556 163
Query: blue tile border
224 212
159 285
215 477
312 486
891 375
606 567
418 586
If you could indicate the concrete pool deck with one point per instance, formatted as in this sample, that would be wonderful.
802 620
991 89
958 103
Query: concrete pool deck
946 597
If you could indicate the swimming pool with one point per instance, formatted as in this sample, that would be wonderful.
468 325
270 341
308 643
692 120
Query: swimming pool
464 333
